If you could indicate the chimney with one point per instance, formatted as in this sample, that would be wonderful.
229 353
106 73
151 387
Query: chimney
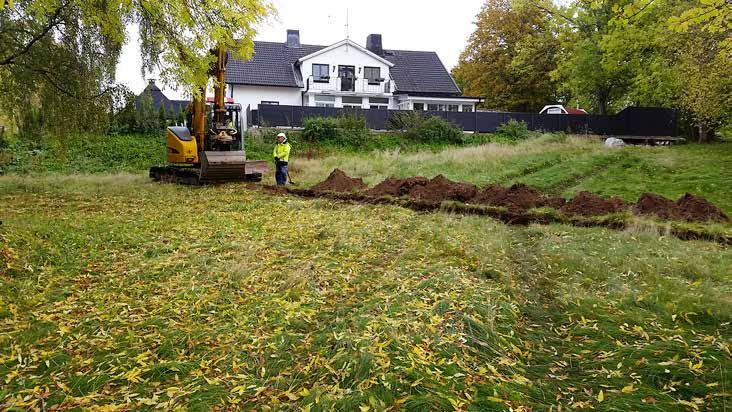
373 44
293 38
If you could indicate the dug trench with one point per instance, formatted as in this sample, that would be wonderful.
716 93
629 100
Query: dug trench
516 205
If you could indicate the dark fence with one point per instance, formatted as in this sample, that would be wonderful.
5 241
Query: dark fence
632 121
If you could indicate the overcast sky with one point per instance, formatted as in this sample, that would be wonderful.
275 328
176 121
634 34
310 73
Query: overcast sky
438 26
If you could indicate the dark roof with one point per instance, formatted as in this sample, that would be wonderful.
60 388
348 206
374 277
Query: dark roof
273 64
159 98
420 72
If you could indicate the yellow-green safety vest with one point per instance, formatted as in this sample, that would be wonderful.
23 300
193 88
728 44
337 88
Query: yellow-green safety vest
282 151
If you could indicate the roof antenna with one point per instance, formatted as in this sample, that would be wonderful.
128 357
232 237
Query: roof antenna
348 31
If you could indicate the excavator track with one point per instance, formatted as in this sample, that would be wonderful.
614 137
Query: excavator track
187 175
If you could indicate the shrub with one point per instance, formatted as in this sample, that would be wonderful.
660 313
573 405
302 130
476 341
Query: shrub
514 130
438 130
414 126
347 130
320 129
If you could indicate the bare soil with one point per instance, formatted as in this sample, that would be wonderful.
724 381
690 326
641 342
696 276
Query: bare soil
590 204
688 207
420 193
441 188
338 181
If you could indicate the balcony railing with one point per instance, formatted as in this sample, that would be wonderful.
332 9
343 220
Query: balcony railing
349 85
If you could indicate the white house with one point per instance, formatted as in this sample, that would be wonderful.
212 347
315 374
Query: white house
344 74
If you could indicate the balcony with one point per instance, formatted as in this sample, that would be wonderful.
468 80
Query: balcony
348 85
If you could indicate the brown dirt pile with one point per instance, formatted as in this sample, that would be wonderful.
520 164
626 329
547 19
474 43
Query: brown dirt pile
698 209
656 205
518 196
441 188
396 187
338 181
688 207
590 204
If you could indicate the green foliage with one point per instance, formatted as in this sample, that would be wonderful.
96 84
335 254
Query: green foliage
509 56
514 130
162 117
83 154
426 130
60 57
171 118
346 130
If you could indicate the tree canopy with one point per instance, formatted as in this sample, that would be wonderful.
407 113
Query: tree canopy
58 57
606 56
509 57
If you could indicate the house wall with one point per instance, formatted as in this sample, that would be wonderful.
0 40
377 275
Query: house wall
254 95
344 55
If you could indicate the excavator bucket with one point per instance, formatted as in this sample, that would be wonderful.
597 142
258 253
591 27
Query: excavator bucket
230 166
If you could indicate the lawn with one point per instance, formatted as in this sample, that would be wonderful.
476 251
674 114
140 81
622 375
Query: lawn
121 293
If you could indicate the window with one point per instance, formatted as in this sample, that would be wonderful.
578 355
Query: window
320 73
419 106
270 102
380 103
467 107
373 74
433 107
453 107
324 101
352 100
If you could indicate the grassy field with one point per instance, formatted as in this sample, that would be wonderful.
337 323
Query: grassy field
121 293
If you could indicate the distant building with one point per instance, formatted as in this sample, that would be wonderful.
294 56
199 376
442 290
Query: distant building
344 74
160 99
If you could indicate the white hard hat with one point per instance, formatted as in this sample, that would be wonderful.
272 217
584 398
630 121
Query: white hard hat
282 135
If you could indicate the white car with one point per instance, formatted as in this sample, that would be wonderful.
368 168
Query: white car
559 109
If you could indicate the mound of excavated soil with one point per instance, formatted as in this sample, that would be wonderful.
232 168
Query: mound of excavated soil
590 204
338 181
441 188
698 209
656 205
555 202
688 207
518 196
396 187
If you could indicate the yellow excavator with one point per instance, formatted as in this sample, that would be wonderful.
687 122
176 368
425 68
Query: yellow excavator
198 154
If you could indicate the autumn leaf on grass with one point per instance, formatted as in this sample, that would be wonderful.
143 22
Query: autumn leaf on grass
134 375
628 389
601 396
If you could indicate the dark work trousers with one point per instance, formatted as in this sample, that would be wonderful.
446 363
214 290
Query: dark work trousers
281 173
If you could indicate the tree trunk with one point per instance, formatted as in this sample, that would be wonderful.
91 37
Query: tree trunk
601 96
706 135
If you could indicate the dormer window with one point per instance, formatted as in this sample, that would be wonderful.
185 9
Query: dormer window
321 73
373 74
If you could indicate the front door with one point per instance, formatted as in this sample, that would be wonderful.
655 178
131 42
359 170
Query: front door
348 78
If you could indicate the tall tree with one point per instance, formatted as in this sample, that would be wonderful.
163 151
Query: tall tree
509 57
60 55
582 72
676 53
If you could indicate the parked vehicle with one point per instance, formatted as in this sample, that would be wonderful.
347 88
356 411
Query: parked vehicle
559 109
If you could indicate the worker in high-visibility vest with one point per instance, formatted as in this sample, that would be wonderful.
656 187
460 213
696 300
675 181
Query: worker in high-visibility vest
281 157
